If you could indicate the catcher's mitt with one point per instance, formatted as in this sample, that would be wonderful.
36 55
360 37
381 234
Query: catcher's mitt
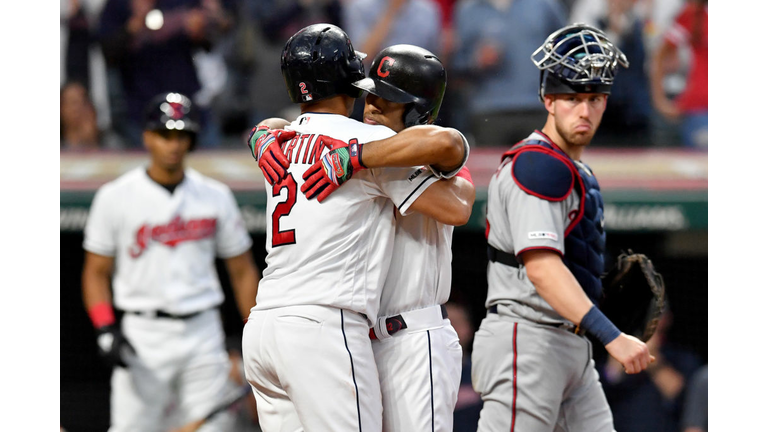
633 295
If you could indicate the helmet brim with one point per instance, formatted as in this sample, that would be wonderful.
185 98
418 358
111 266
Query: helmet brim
385 90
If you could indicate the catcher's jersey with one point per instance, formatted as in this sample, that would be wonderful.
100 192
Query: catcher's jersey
335 253
420 272
519 221
165 244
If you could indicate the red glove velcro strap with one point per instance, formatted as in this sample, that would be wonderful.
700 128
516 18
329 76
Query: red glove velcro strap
101 314
356 154
464 173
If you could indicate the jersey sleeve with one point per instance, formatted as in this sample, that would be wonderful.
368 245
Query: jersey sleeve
232 238
537 223
404 185
448 175
100 236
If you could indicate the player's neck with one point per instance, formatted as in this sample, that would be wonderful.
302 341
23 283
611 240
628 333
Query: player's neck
334 105
165 176
573 151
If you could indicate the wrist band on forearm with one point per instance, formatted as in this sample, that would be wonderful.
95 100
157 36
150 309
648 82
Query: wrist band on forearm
101 314
356 152
599 326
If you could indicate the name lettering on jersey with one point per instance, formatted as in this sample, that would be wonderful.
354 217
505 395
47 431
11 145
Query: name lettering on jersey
288 150
174 232
303 149
542 235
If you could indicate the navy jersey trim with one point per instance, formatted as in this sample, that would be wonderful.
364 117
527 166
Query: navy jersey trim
357 392
414 191
431 384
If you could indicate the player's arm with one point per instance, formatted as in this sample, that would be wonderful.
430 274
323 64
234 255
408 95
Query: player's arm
97 297
274 123
556 284
97 273
265 145
448 201
443 148
245 281
560 289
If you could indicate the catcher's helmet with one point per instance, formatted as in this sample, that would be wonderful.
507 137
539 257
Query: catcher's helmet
577 59
411 75
172 111
319 62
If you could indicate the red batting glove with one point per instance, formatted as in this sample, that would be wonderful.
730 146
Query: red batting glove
265 145
332 169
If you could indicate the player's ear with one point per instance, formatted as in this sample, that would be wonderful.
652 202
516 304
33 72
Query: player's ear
147 139
549 103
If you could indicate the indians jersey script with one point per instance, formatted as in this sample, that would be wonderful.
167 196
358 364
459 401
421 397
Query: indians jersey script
420 272
335 253
520 221
165 244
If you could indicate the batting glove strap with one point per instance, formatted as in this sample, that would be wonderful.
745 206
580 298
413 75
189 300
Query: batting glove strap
256 143
333 169
265 145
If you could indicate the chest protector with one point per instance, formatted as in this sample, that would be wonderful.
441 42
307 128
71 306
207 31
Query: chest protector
548 173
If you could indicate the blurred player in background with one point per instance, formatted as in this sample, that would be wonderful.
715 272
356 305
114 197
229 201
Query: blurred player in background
154 233
531 362
307 348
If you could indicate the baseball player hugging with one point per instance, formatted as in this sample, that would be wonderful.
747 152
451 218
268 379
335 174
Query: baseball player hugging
308 342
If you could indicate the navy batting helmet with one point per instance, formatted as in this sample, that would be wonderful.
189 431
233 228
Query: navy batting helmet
577 59
319 62
411 75
172 111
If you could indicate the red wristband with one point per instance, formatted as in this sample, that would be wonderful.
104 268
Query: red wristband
101 314
464 173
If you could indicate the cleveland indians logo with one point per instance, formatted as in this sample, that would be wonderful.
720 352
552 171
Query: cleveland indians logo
382 73
174 232
173 110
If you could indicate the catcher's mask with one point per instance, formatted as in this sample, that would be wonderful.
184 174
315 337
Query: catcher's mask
172 111
577 59
319 62
411 75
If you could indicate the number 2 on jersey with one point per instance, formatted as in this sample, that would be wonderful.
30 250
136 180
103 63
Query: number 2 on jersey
280 238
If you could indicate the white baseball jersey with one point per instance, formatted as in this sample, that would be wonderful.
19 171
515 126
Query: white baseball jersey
165 244
334 253
420 272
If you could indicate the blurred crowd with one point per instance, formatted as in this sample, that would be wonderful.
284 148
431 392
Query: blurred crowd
117 54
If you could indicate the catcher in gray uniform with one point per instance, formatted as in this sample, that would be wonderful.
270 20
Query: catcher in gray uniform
531 361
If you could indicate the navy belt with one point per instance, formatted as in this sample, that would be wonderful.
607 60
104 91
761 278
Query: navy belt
570 328
164 314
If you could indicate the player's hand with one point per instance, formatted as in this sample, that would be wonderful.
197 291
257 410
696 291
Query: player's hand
333 169
631 352
265 145
113 346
